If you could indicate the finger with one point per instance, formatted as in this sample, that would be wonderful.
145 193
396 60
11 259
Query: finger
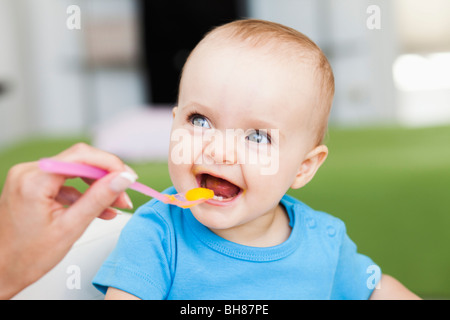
123 201
16 175
68 195
100 196
33 184
108 214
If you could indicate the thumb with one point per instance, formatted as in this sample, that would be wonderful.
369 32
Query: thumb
100 195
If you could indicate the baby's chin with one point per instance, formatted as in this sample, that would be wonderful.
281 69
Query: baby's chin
214 218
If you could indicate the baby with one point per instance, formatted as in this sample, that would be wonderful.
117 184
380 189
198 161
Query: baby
252 112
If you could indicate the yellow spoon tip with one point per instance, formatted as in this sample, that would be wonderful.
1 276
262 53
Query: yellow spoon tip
199 194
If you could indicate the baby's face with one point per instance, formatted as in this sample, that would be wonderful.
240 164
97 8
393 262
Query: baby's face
242 128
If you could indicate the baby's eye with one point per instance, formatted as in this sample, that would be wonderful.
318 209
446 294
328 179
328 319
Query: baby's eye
258 136
199 121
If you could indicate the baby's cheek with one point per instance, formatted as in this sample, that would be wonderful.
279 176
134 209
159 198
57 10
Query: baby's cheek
181 147
271 188
178 174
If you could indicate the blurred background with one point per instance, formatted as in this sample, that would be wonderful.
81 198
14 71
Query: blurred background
106 72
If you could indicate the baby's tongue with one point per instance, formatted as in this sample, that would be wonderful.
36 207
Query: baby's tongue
221 188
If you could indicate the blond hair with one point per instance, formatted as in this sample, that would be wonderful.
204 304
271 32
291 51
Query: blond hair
293 45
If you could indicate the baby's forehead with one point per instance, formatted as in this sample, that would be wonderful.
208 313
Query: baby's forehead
288 60
252 67
251 89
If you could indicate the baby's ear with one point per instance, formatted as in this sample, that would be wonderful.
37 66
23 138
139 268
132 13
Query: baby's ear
174 111
309 166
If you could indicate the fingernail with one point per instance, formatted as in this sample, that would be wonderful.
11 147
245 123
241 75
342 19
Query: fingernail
128 200
119 213
131 170
122 181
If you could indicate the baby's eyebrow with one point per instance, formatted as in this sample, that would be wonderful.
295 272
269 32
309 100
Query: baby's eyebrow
196 105
261 124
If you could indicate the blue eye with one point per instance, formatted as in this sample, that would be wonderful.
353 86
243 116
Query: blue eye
258 136
199 121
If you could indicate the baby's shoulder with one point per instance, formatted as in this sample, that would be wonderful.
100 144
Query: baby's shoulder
155 217
155 211
155 206
316 219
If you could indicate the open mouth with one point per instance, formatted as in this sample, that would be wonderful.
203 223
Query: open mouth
224 190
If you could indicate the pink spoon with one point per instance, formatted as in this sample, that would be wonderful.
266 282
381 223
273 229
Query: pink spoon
191 198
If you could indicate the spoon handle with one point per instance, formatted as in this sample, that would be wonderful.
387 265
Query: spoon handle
91 172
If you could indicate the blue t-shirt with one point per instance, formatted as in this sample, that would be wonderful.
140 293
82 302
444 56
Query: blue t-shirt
165 253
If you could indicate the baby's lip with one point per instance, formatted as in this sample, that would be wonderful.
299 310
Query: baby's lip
198 176
219 201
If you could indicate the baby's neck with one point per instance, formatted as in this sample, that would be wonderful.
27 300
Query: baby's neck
270 230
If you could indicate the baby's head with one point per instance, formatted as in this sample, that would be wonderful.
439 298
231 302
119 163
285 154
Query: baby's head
253 95
273 42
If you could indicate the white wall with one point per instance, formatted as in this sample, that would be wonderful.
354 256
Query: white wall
73 95
54 56
54 91
13 112
422 71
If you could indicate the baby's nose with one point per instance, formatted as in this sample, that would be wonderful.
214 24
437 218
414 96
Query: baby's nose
222 148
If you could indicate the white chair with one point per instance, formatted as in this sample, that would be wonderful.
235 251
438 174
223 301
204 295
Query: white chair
72 278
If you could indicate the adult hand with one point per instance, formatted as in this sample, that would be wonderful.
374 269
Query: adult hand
40 218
